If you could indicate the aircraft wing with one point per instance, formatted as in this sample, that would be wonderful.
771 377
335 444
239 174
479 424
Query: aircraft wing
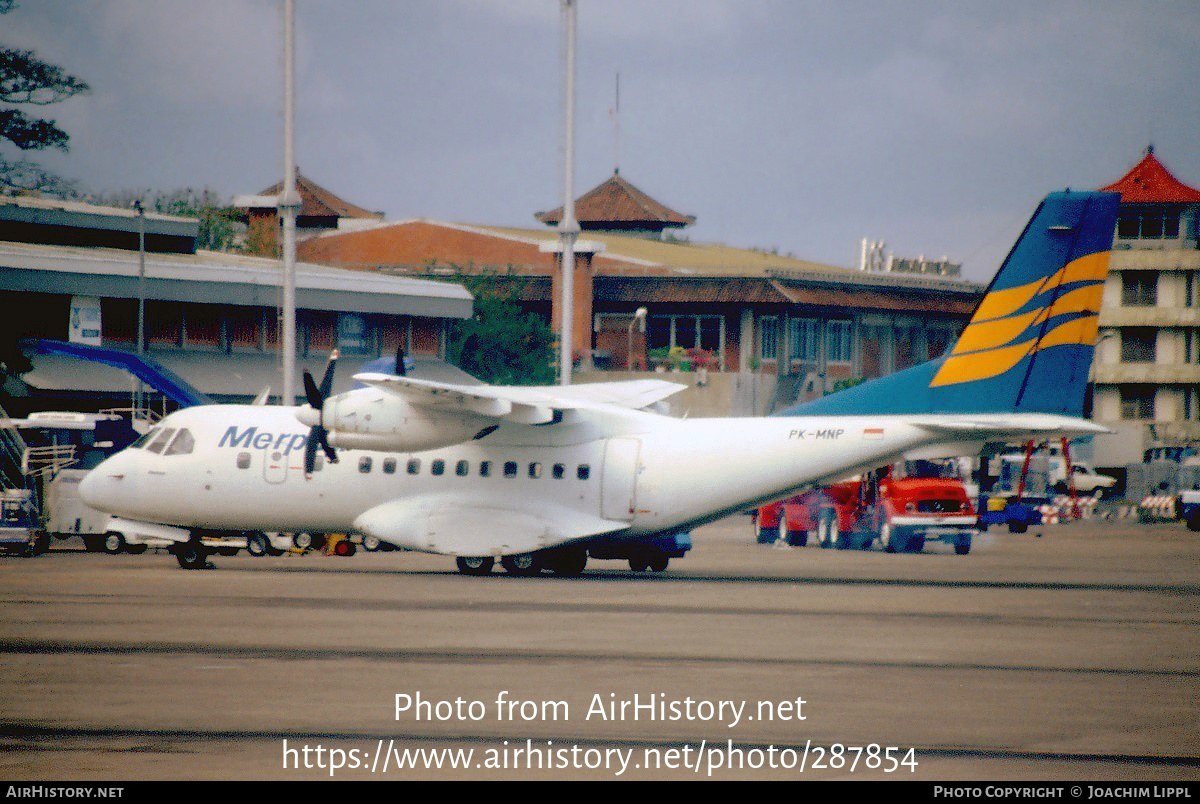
451 525
523 404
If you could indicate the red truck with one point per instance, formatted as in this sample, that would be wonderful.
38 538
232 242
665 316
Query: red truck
899 506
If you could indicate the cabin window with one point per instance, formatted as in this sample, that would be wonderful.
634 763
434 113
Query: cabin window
583 472
535 470
437 467
364 465
485 468
510 468
243 460
414 466
462 468
389 466
559 471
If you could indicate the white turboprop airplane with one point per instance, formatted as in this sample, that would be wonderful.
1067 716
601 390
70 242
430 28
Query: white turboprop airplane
542 477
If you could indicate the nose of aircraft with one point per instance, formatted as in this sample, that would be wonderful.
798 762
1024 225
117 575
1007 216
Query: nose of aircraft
101 486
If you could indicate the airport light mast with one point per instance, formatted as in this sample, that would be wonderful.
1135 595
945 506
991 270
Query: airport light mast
568 227
289 206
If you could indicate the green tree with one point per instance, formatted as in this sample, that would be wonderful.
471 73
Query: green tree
27 80
501 344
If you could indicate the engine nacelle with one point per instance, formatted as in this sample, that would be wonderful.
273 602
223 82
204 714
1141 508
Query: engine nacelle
376 420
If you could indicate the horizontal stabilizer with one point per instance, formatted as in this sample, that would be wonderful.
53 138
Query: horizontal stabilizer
1009 427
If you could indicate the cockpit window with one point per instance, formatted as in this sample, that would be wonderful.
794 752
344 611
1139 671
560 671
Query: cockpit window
181 444
141 440
161 440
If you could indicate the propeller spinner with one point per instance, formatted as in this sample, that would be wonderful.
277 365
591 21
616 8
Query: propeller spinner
317 434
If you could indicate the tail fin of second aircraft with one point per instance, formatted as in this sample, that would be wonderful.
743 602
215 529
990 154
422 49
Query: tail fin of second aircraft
1029 344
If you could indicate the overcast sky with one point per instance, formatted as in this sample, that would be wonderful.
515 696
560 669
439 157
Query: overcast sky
799 126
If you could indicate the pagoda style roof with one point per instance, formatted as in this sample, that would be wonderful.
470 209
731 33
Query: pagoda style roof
315 201
1151 183
616 205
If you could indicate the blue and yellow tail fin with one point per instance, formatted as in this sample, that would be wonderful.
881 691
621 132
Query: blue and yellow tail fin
1029 344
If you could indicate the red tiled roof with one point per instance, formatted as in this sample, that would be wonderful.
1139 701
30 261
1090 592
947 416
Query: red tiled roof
413 244
316 201
618 204
1150 182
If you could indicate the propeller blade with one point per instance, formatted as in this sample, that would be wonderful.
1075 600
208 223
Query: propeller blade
310 452
327 380
330 453
318 436
315 398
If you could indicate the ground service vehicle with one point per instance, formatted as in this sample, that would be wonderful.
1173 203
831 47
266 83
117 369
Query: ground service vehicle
20 530
899 506
1189 504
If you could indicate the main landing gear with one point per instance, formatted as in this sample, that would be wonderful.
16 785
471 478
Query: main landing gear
565 562
562 561
192 555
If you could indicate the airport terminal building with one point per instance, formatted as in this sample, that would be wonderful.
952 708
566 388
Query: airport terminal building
801 327
75 272
1146 372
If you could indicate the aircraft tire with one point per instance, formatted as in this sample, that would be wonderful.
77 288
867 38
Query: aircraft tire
638 563
114 542
256 544
658 562
475 565
191 556
569 562
521 564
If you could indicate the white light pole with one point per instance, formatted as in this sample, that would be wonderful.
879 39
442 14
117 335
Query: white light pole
141 336
568 227
289 205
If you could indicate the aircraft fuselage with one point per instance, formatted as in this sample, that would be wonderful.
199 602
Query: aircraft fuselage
245 472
